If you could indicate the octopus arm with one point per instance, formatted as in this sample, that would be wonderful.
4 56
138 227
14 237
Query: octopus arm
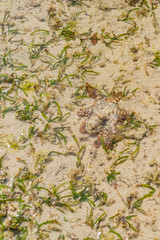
85 112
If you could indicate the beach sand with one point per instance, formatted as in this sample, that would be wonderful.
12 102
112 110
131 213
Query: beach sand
55 184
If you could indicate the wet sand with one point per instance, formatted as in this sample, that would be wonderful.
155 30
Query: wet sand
49 50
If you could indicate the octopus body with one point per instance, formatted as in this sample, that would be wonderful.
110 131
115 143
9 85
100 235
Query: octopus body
103 118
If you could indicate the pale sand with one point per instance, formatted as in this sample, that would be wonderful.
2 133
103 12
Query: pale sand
126 64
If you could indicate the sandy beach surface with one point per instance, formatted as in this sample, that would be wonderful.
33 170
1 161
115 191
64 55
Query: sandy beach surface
55 181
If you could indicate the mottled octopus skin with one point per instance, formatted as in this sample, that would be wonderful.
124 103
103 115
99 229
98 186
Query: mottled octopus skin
102 119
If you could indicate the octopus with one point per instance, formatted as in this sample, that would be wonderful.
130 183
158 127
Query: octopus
104 119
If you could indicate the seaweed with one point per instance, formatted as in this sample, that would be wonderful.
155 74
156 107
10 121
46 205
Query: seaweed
111 175
74 3
33 95
137 204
